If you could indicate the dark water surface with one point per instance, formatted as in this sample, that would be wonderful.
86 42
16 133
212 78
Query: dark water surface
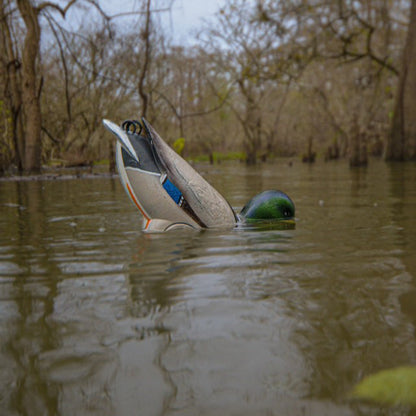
97 318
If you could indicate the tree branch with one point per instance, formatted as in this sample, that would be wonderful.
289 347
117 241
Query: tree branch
46 131
50 5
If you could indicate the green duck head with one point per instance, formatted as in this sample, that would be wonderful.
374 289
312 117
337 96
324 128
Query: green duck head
268 206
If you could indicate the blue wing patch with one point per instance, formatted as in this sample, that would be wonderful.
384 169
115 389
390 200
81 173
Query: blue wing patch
173 191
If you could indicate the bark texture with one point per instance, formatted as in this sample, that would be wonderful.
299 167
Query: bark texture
31 87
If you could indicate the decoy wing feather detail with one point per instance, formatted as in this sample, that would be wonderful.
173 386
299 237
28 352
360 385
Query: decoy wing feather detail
208 204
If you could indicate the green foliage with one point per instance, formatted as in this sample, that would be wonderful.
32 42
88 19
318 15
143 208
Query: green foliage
394 386
178 145
102 162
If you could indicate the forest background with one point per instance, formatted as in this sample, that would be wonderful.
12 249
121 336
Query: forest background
261 79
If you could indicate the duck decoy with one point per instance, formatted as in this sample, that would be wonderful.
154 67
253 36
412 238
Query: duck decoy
171 194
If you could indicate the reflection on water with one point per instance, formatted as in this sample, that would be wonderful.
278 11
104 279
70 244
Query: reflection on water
97 318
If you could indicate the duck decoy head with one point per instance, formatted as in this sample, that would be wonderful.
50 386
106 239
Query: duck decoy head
268 206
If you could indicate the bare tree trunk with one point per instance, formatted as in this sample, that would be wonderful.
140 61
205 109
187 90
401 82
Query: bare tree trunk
358 145
30 87
310 155
12 91
358 150
146 37
251 123
401 142
112 159
252 139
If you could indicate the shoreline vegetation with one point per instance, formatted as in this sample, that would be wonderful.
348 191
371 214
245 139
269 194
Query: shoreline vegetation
101 169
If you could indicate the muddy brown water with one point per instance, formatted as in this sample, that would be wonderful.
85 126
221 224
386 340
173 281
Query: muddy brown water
97 318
